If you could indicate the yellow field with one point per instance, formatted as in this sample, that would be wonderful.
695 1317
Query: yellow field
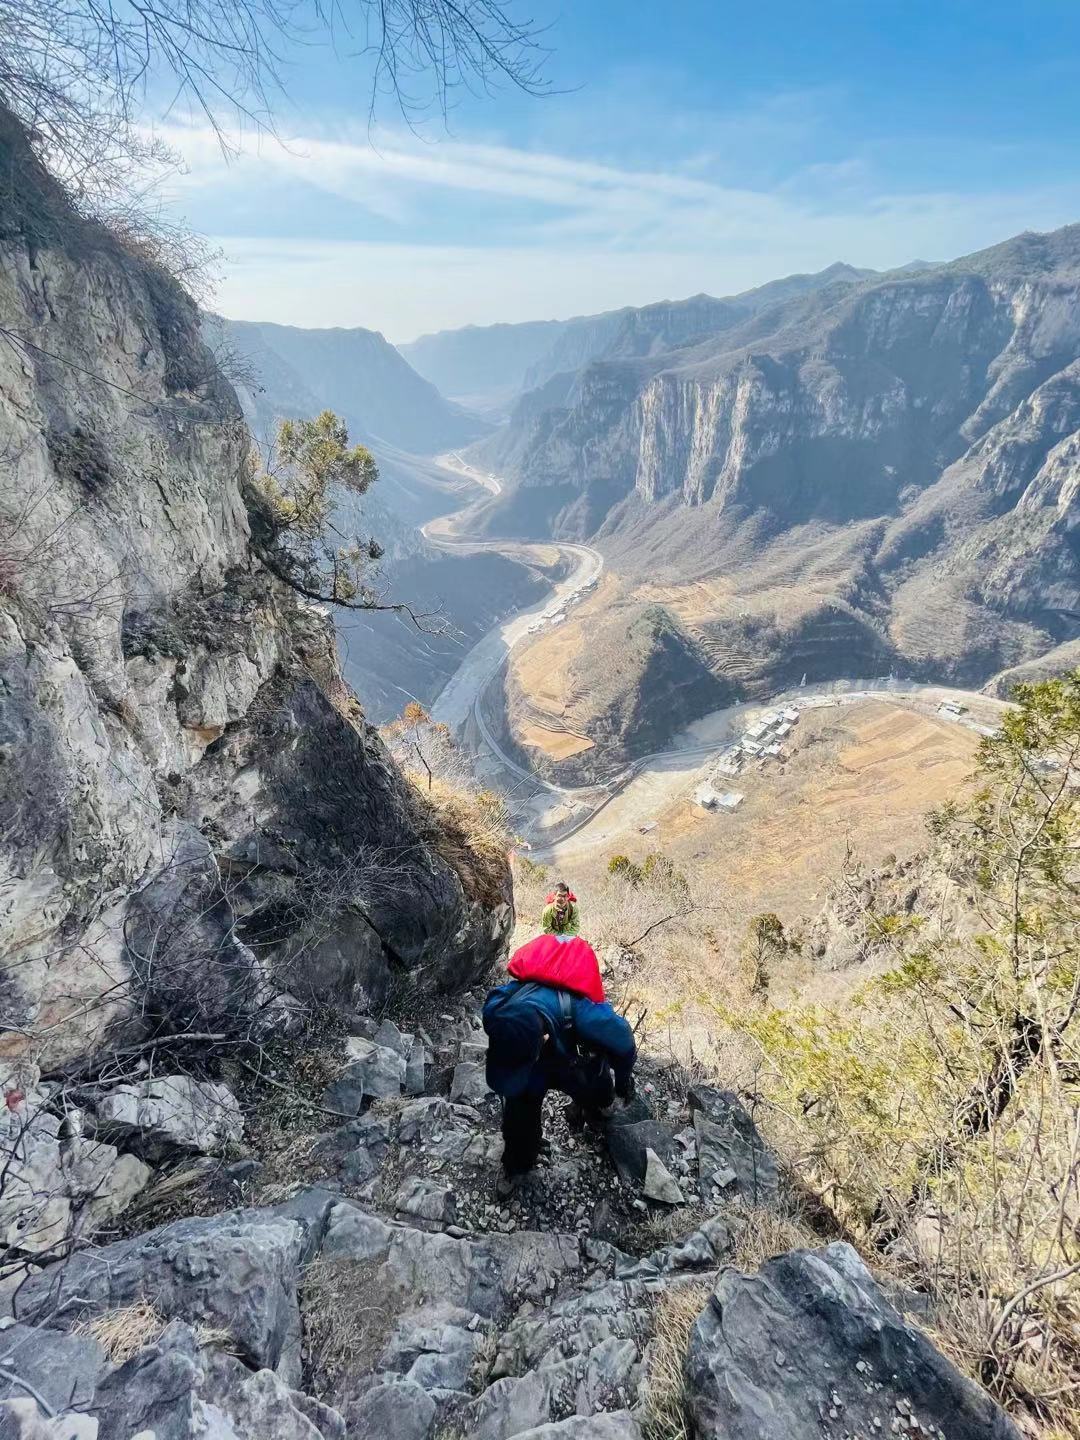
865 774
558 744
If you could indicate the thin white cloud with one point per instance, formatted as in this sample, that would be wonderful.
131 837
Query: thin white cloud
570 235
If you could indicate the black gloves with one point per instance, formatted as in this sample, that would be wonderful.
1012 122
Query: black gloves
626 1091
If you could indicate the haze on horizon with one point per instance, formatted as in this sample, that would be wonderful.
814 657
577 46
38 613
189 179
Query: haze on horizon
743 148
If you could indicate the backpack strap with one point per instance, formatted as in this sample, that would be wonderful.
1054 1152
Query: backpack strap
566 1021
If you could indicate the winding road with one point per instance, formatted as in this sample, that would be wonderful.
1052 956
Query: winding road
461 696
651 779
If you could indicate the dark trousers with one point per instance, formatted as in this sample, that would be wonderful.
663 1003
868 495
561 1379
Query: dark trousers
587 1081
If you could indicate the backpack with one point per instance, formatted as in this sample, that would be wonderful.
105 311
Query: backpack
567 1036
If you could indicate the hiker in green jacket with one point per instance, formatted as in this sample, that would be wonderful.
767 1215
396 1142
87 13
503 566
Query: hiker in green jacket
561 913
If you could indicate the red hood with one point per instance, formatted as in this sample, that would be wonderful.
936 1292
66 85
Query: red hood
568 964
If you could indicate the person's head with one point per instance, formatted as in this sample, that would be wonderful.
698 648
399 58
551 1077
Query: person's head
562 894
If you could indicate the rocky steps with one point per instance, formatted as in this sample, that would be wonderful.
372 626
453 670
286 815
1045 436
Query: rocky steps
384 1293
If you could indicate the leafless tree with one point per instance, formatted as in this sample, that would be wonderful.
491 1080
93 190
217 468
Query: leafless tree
74 71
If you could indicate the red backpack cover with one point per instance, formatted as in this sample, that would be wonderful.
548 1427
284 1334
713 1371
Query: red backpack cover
567 963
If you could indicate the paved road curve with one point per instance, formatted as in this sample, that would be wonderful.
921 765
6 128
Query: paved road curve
460 697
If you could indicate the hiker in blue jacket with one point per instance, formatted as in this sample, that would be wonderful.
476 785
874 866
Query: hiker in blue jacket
541 1038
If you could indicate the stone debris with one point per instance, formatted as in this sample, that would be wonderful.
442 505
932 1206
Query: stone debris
172 1112
732 1156
659 1184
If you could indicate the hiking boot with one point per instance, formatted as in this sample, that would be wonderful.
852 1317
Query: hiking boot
508 1185
574 1116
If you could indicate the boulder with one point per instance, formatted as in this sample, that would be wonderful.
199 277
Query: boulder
177 1389
392 1410
659 1184
237 1272
732 1156
423 1199
63 1369
485 1276
24 1419
57 1183
616 1425
389 1036
434 1347
810 1349
468 1084
172 1112
374 1072
415 1068
631 1134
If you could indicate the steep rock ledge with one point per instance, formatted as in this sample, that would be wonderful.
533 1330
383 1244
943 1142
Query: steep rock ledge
194 815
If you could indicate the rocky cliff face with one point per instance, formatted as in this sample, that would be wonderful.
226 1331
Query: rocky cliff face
900 451
196 818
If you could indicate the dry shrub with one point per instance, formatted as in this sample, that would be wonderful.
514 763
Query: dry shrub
938 1110
472 834
347 1320
123 1333
665 1396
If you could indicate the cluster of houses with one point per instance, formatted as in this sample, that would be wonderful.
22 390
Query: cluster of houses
555 614
762 741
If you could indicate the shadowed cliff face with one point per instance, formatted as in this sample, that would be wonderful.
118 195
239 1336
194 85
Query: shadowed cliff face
191 802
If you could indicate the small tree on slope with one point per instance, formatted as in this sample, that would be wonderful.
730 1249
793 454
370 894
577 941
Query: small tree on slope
939 1112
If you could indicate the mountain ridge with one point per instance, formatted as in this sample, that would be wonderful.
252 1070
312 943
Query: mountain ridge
895 453
348 369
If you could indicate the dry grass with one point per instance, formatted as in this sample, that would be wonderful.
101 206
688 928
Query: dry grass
123 1333
760 1233
665 1403
472 834
347 1320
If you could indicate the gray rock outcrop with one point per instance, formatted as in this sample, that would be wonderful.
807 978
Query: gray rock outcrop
237 1272
195 813
57 1182
170 1113
810 1347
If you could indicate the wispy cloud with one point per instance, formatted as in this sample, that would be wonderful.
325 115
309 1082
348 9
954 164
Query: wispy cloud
546 233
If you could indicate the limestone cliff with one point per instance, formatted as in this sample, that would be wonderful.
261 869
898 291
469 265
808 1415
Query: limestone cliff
870 474
194 815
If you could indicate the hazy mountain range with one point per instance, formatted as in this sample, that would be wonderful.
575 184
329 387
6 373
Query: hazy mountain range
285 370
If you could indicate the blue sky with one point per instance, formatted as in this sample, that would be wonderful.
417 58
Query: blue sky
688 147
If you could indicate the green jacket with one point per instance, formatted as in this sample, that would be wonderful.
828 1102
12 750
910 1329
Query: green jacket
568 925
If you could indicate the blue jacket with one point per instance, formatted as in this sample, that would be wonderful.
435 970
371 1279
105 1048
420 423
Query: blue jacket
517 1014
